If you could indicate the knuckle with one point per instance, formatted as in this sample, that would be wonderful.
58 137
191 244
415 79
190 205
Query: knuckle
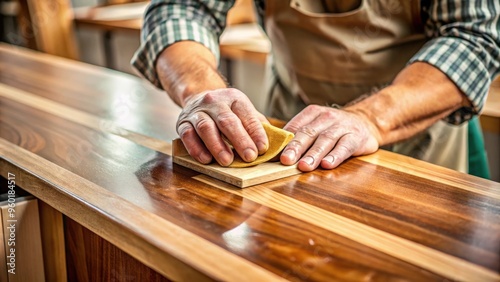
210 98
233 92
309 131
331 114
203 124
226 119
294 144
347 148
332 135
252 126
317 151
313 108
184 130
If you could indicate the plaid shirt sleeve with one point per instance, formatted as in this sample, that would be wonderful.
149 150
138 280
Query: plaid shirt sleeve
167 22
465 45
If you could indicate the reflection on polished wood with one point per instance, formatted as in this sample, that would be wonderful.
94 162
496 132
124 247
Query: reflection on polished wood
377 217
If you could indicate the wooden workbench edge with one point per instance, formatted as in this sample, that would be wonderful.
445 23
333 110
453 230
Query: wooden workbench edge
159 244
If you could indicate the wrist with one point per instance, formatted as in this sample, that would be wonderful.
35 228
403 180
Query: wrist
186 69
374 111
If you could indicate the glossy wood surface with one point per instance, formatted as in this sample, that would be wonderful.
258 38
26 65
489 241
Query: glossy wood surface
81 139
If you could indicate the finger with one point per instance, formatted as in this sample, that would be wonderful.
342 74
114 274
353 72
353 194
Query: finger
252 121
306 116
323 145
194 145
232 127
345 147
305 136
209 133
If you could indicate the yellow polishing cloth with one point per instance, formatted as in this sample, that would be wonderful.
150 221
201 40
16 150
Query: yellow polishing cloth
278 139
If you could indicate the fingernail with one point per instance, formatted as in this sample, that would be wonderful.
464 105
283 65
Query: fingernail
249 154
290 154
225 158
205 158
329 159
308 160
262 147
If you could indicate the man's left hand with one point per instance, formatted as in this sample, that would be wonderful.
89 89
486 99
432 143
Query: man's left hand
326 136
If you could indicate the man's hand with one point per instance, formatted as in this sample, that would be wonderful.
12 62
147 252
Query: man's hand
211 112
212 115
326 136
419 96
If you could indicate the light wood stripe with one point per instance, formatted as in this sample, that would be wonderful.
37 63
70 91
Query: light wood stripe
151 239
82 118
411 166
411 252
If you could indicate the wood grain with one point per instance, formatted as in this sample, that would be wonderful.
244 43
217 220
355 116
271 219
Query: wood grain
136 105
83 118
329 259
91 258
381 217
180 214
157 243
28 244
52 25
52 234
240 177
427 258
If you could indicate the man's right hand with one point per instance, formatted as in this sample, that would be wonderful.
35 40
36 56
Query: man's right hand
211 111
210 116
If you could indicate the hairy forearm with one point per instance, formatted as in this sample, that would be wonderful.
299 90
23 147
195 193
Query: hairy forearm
418 97
187 68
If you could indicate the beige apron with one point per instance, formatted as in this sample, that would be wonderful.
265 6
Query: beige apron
335 51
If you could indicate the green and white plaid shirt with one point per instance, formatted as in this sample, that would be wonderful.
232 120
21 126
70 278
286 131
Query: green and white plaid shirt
464 39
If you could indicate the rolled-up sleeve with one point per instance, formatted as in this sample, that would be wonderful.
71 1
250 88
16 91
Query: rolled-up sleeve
167 22
465 45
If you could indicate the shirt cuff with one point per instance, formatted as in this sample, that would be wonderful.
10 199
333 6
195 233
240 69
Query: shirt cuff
166 34
457 59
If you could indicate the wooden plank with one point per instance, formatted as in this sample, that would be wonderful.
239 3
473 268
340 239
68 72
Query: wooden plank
240 177
91 258
23 241
54 252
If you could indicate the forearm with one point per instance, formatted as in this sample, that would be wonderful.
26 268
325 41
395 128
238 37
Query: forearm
187 68
418 97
